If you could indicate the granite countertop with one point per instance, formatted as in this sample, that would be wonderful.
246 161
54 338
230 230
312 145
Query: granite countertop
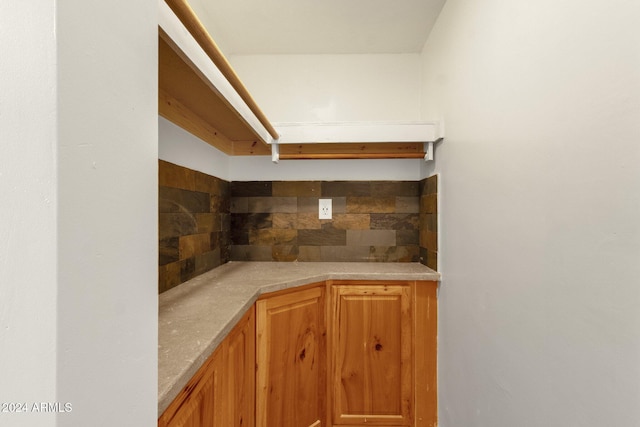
197 315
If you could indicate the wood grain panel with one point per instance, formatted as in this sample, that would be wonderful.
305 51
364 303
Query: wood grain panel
291 356
371 333
201 401
241 366
426 348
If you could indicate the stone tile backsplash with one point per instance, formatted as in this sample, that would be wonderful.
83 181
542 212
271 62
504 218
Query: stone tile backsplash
374 221
205 222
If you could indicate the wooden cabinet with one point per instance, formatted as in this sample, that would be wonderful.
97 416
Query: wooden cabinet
222 392
382 341
371 347
291 356
273 369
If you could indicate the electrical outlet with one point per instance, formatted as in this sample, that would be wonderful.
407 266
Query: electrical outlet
324 209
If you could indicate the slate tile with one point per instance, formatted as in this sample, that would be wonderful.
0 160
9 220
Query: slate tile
371 237
371 204
251 221
285 220
273 204
351 221
168 276
346 188
250 188
194 244
239 205
272 236
310 204
395 221
169 251
408 204
208 222
176 224
407 237
308 221
172 175
251 253
296 188
207 261
331 237
178 200
309 253
344 253
394 253
429 204
395 188
284 253
187 269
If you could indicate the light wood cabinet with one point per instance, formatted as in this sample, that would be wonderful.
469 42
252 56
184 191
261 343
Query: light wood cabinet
291 359
273 369
222 392
371 347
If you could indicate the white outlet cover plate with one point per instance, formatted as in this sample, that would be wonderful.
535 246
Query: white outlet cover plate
324 209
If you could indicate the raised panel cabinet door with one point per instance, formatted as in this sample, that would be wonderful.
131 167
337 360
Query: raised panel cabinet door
201 402
291 359
240 346
371 348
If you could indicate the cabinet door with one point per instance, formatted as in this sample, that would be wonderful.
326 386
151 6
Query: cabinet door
371 347
240 347
291 359
201 402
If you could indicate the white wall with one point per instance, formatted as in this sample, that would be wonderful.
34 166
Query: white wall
540 209
178 146
78 233
333 88
28 210
107 194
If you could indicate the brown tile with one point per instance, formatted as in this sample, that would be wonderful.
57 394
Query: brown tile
285 220
408 204
219 204
239 205
187 269
310 204
251 253
296 188
395 188
429 240
168 276
272 236
208 222
250 188
169 251
172 175
194 244
407 237
273 204
176 224
309 221
429 222
395 253
371 204
351 221
344 253
346 188
285 253
251 221
309 253
207 261
429 204
331 237
395 221
178 200
371 238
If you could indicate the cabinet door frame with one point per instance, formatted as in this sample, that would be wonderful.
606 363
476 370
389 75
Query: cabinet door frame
384 290
297 297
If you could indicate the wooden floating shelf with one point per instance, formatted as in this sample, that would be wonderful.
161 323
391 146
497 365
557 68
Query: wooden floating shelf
202 97
200 92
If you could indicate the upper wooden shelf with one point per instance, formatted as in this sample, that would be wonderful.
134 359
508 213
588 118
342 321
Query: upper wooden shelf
200 92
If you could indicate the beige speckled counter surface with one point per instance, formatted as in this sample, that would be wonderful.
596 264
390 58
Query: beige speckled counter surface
196 316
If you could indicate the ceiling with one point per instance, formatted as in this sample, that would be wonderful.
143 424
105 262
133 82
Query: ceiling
243 27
